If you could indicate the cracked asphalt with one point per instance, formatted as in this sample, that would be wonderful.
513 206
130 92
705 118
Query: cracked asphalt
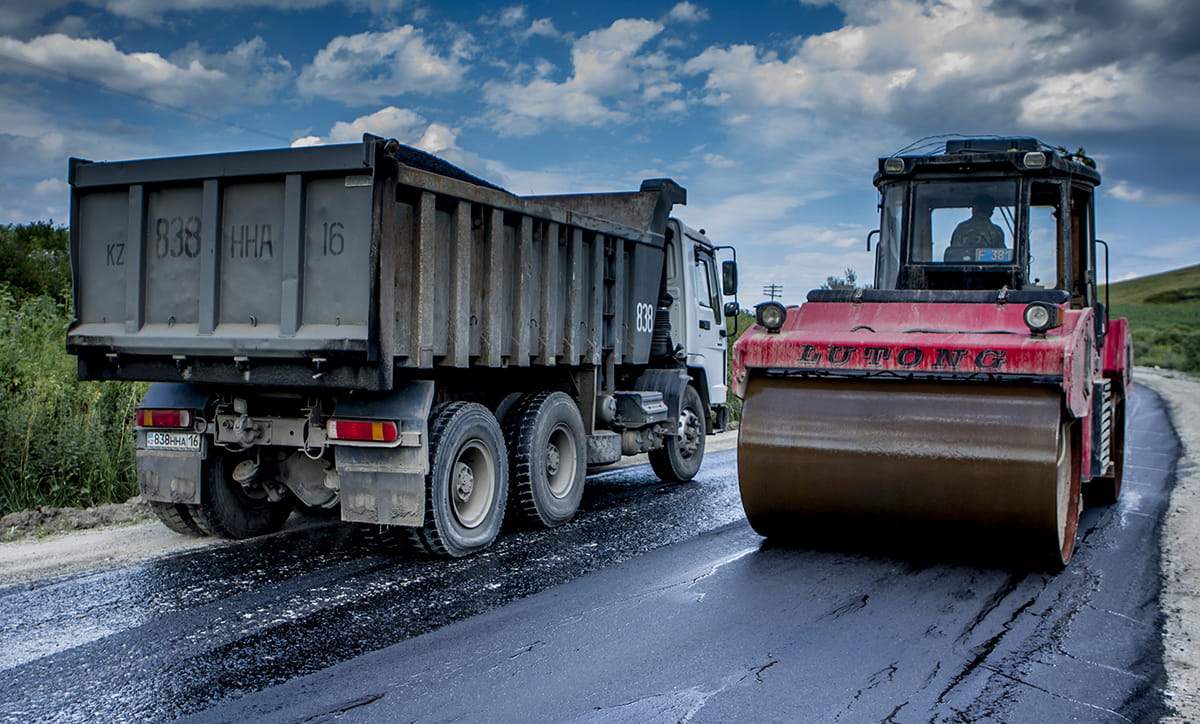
658 603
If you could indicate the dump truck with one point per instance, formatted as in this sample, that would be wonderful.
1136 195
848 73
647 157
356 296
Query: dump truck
368 329
977 387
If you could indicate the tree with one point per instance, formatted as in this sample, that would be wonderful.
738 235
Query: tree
842 282
34 260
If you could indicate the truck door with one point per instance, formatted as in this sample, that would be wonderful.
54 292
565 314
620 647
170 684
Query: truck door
706 334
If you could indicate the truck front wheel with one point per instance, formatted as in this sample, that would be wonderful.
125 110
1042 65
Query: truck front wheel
232 510
678 460
467 484
545 438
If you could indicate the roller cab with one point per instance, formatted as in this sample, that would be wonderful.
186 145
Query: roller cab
978 386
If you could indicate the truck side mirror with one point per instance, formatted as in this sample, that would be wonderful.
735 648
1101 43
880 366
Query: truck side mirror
732 309
729 278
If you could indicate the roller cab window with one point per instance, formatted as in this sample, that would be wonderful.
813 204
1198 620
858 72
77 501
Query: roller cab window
960 234
964 223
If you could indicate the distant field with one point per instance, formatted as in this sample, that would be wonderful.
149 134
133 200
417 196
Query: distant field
1164 313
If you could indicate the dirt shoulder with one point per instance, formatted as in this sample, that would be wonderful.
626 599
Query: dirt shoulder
1181 545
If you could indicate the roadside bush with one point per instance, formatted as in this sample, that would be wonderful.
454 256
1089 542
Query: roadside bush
34 260
1173 346
62 442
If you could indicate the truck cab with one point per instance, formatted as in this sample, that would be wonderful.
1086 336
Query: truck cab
696 309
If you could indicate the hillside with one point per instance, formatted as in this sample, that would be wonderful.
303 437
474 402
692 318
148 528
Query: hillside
1164 313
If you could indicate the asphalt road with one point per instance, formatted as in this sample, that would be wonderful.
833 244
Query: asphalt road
657 603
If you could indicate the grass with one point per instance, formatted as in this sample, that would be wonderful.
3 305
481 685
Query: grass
1164 316
63 443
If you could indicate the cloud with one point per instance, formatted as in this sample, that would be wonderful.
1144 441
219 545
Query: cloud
152 11
399 123
607 69
1124 190
686 12
1114 75
194 78
411 129
363 68
976 65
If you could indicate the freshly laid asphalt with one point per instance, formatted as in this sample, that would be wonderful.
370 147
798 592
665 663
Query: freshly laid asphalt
658 603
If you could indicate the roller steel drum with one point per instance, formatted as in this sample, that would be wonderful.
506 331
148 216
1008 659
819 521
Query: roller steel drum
992 460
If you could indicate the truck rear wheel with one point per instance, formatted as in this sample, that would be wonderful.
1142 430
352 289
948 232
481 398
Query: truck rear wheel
544 432
178 518
232 510
678 460
467 485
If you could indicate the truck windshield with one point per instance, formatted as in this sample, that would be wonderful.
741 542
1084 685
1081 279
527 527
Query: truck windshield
956 222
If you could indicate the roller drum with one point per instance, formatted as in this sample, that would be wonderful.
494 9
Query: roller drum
991 460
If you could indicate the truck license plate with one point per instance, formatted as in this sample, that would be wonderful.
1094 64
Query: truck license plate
173 441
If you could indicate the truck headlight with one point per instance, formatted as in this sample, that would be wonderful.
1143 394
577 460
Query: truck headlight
1041 316
770 315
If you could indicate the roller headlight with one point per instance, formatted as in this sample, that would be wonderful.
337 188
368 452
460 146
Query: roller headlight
1034 159
770 315
1040 316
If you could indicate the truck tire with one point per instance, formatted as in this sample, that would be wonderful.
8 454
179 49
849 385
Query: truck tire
178 518
466 489
678 460
228 509
548 458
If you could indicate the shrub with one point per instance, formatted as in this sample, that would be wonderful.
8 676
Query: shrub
62 442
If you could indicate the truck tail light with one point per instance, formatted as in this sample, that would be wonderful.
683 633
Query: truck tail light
361 430
147 417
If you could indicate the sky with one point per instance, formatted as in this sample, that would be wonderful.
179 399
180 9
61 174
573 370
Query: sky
771 113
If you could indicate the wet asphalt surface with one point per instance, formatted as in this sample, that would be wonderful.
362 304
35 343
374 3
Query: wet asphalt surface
658 603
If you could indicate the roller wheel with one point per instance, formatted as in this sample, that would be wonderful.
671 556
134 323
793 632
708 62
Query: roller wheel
232 510
1067 496
678 460
178 518
1106 489
467 484
545 437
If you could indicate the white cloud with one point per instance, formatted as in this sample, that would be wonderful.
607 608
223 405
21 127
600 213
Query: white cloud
687 12
401 124
363 68
716 160
608 68
1124 190
411 129
151 11
515 18
964 64
100 61
258 74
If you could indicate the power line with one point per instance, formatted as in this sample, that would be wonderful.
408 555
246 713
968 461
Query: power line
773 290
138 97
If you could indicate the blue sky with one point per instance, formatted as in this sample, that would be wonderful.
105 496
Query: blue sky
771 113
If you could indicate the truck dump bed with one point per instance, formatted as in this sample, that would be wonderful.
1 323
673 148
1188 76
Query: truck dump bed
336 266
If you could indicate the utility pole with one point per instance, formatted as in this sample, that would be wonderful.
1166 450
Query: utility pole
773 290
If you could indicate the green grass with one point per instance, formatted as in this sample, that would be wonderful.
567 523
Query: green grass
63 443
1164 316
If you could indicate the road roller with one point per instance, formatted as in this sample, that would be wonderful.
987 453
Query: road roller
979 384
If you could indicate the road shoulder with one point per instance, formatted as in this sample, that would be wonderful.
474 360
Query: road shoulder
1181 545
